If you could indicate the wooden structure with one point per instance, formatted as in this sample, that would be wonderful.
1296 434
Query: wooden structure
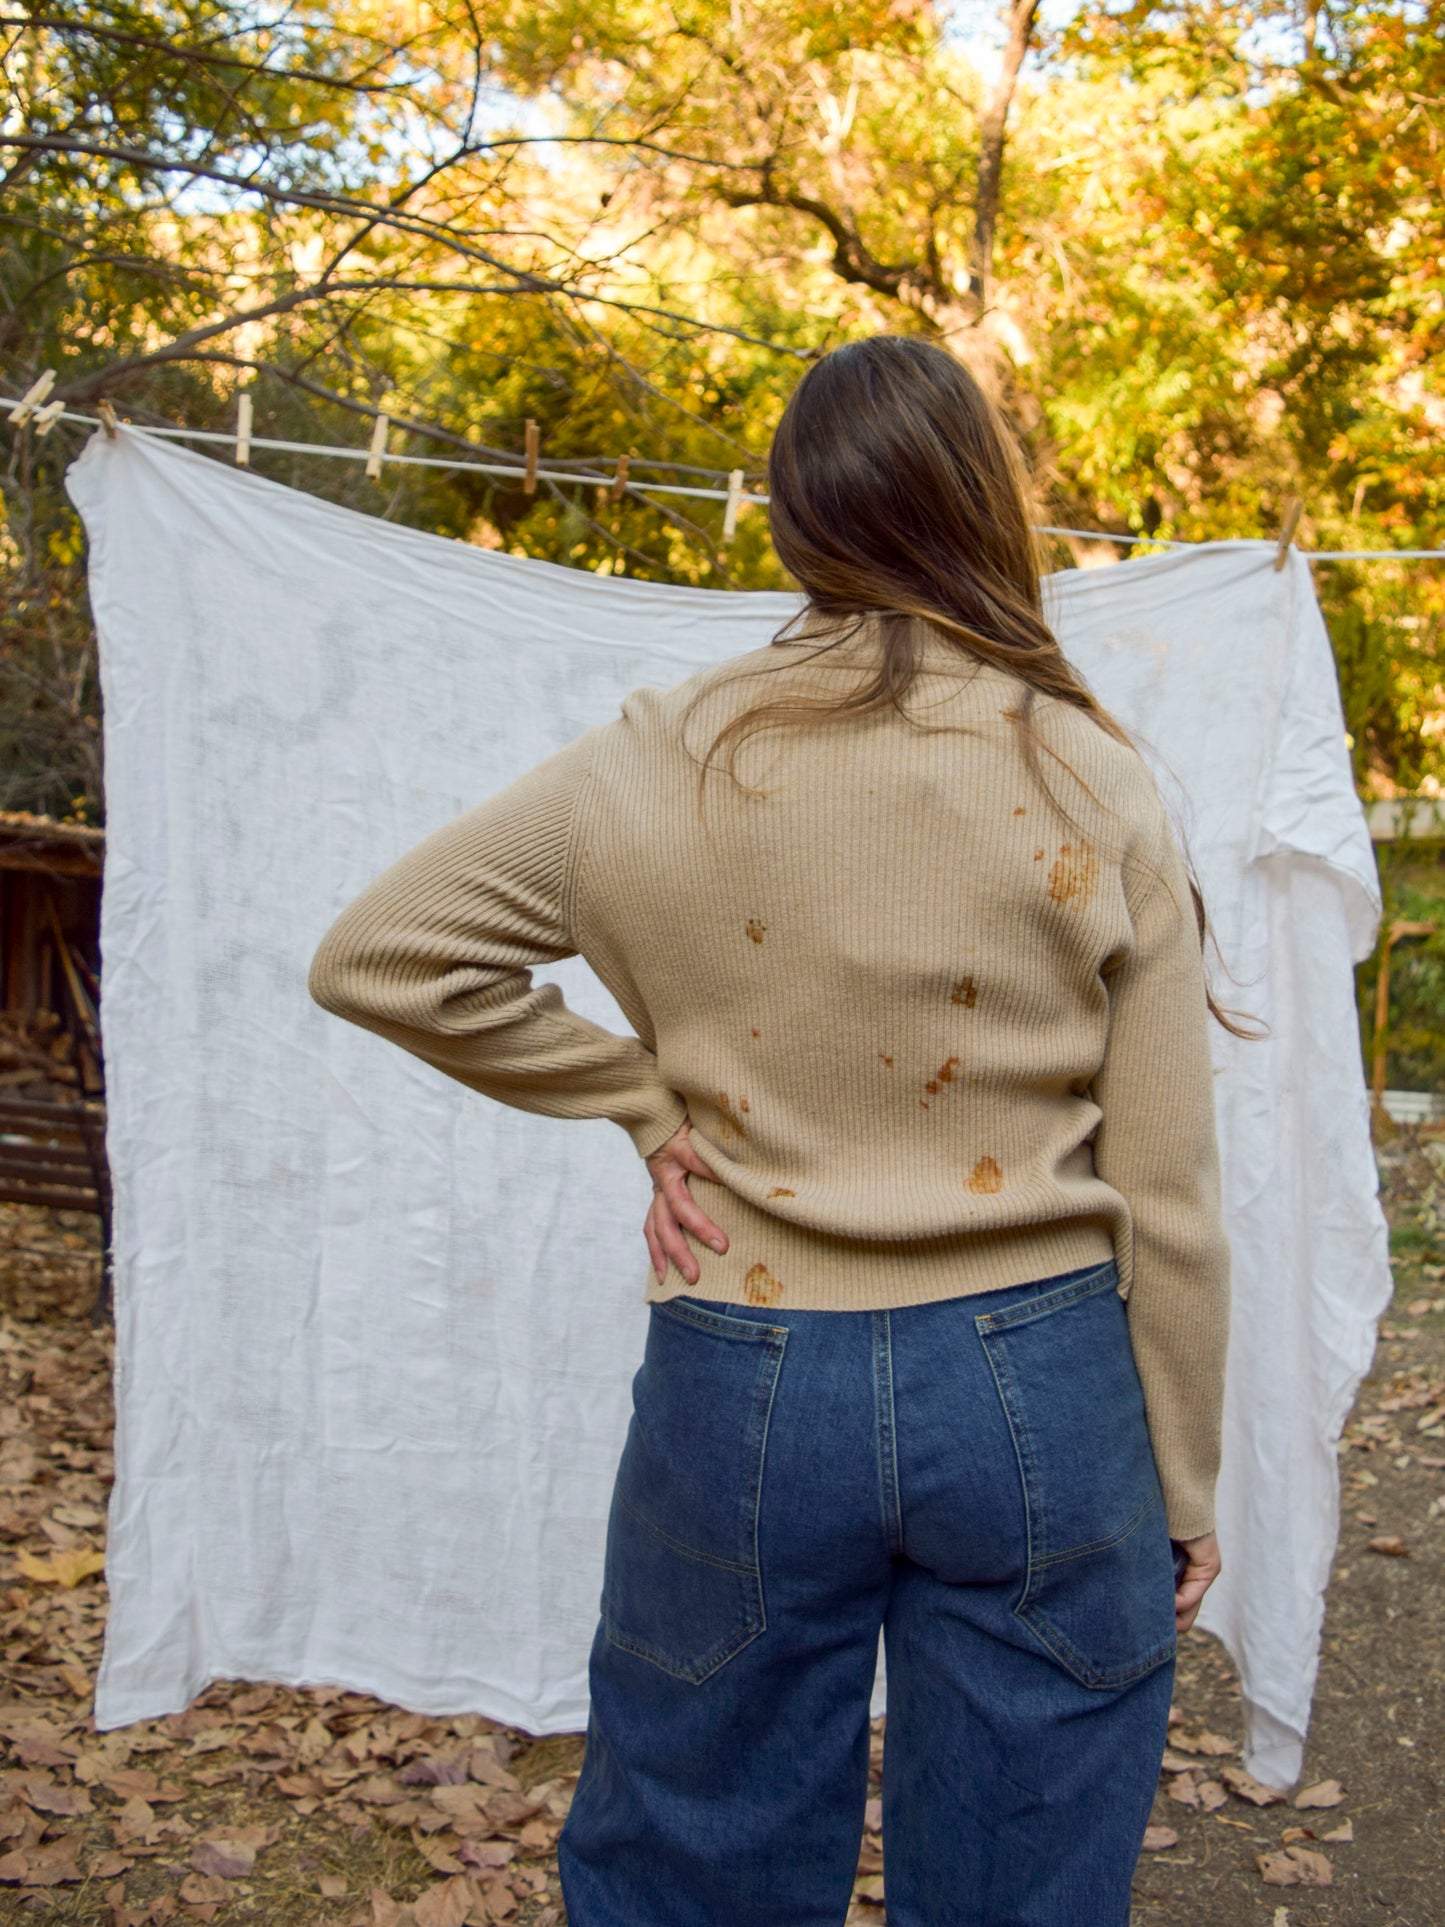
52 1110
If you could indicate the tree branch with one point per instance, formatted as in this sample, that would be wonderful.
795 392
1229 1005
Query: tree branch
992 131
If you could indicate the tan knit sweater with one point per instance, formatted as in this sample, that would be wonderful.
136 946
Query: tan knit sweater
934 1034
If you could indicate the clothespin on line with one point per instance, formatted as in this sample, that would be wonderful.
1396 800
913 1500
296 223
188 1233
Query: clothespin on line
378 447
619 480
1293 509
534 450
47 417
107 418
245 416
734 503
32 398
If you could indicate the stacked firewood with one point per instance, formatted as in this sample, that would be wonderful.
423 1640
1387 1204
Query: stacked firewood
36 1053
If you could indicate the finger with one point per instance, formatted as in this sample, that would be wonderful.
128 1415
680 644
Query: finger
673 1242
654 1248
687 1154
1188 1598
689 1212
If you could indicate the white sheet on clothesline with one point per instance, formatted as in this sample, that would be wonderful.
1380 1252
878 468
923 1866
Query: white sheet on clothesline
375 1332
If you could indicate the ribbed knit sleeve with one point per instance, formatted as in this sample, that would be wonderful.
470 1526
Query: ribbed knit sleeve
1156 1145
435 955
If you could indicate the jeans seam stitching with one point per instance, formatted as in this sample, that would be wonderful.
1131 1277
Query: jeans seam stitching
679 1545
886 1420
1003 1380
1131 1525
1034 1308
763 1409
719 1323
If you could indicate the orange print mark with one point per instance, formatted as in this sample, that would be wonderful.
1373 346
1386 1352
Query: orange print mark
986 1176
1074 875
943 1075
757 930
1020 811
760 1287
778 1191
1038 856
886 1059
728 1114
757 1033
966 993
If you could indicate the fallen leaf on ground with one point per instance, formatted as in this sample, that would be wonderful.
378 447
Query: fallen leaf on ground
1211 1795
1248 1788
50 1865
65 1569
1391 1545
1344 1832
331 1886
435 1772
1324 1793
437 1856
1183 1789
489 1854
1294 1867
445 1906
107 1865
224 1859
69 1802
1183 1740
1157 1839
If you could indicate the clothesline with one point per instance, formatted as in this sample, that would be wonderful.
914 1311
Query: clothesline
620 480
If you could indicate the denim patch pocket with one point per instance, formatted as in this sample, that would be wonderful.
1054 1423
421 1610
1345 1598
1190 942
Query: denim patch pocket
682 1585
1100 1587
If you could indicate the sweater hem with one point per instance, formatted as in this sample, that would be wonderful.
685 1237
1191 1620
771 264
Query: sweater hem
771 1263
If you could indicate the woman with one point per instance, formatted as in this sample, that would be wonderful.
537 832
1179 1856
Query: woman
921 1073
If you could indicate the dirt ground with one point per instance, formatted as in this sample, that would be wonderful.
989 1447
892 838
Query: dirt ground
329 1809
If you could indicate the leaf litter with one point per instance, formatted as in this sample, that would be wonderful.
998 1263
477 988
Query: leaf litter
331 1809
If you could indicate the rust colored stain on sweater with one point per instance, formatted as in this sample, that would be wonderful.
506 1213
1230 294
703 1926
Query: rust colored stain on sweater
986 1176
943 1075
1074 875
761 1287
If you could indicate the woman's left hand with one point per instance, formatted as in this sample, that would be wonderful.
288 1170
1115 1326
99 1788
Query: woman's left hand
673 1211
1199 1575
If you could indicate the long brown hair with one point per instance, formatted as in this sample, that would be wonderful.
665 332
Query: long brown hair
898 497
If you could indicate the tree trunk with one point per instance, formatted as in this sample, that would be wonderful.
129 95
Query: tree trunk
992 129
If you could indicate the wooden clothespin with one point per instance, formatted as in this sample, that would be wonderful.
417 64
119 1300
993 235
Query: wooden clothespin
32 398
244 418
107 418
47 417
534 450
619 480
378 448
1293 509
734 503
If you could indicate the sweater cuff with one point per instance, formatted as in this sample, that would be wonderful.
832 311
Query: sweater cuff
650 1133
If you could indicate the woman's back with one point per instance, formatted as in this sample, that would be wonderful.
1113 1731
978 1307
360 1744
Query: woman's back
918 1006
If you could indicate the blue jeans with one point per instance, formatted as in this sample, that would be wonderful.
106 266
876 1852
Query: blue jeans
973 1479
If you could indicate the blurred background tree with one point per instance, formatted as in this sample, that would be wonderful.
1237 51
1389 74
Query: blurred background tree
1195 250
